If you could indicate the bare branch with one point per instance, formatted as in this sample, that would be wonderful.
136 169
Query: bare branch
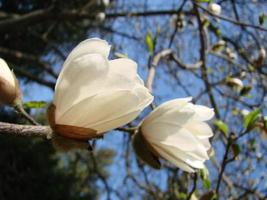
25 130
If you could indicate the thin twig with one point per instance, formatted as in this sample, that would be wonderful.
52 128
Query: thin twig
19 108
193 188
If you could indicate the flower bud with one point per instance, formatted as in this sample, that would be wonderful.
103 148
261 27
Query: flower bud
100 16
9 87
260 58
215 8
235 83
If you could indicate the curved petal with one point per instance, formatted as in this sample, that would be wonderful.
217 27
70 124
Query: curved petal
124 66
199 129
102 107
206 143
115 123
160 111
178 154
89 46
175 117
172 135
127 68
144 96
83 77
202 113
123 79
92 45
173 159
6 74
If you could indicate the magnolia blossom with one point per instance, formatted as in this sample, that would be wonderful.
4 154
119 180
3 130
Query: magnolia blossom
177 131
94 95
9 89
215 8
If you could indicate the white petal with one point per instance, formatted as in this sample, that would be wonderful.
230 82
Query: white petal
172 135
202 113
89 46
5 73
160 111
199 129
93 45
123 79
124 66
82 78
182 156
103 107
115 123
206 143
171 157
144 96
127 68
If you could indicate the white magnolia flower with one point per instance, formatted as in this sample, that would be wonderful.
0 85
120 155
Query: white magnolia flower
9 88
94 95
177 131
215 8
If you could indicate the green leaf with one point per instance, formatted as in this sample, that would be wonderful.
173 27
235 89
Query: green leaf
221 126
251 118
206 184
149 43
206 23
261 18
203 1
236 150
35 104
182 196
204 174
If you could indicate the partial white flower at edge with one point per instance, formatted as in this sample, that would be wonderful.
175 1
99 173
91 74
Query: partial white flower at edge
177 131
94 95
9 87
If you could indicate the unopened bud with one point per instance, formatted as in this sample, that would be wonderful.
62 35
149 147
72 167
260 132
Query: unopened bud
215 8
9 87
101 16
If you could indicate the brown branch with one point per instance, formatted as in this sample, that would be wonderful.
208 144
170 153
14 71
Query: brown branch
14 54
203 58
23 20
154 64
25 130
193 188
31 77
163 54
146 13
242 24
43 15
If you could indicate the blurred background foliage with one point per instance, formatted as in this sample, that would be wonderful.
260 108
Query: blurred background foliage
36 36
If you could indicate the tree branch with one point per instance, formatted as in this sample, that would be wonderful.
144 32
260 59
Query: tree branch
25 130
242 24
203 58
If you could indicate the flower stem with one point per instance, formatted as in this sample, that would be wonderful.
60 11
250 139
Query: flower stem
19 108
